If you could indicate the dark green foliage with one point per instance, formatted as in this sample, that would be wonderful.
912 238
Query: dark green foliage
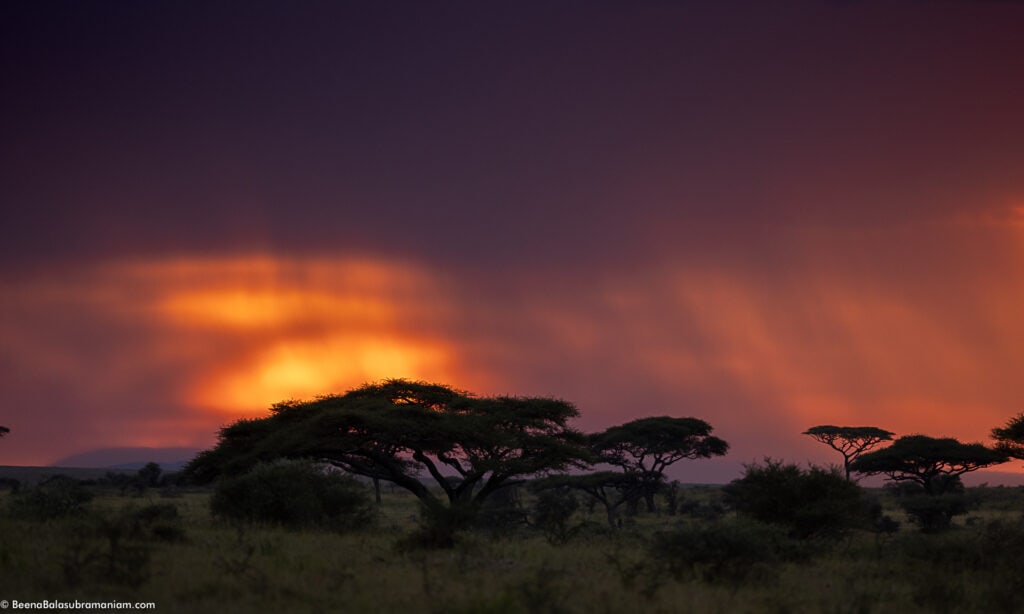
296 495
116 547
934 512
552 514
610 488
54 498
807 503
156 522
734 552
502 513
438 529
670 492
149 476
990 560
930 471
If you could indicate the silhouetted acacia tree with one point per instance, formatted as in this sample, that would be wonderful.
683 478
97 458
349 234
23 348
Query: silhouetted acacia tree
929 471
398 430
932 463
850 441
610 488
645 447
4 430
1010 438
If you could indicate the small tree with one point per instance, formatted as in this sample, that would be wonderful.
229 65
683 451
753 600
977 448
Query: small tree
149 476
4 430
610 488
850 441
932 467
399 430
552 513
648 446
930 462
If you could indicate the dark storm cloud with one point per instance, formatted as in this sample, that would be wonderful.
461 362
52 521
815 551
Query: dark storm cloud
763 214
506 135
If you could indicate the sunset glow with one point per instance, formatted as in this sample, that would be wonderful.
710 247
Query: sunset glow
306 370
741 213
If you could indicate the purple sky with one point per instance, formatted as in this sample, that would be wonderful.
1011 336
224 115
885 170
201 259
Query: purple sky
765 215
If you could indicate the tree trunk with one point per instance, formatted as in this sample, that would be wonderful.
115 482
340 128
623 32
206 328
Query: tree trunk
649 499
610 511
376 489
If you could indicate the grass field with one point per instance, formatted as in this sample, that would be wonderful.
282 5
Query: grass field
199 564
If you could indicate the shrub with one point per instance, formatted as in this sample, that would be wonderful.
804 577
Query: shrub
728 551
158 522
502 513
934 512
552 512
438 528
294 494
56 497
808 503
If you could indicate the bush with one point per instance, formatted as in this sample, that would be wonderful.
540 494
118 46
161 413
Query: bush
934 512
731 552
296 495
156 522
56 497
982 566
438 528
502 513
813 503
552 513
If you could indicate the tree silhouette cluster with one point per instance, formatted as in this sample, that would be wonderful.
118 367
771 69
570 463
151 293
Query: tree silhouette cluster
469 447
850 441
454 450
399 430
928 468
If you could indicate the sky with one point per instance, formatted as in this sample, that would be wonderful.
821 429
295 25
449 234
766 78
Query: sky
765 215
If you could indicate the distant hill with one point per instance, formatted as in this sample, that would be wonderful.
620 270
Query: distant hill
169 459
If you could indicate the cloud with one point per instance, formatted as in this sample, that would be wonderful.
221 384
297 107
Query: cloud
911 327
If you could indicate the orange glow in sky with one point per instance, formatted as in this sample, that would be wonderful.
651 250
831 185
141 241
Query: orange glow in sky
303 370
218 339
304 328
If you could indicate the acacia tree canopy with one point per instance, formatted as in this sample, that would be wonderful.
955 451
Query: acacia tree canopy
398 430
648 446
610 488
930 462
4 430
850 441
1010 438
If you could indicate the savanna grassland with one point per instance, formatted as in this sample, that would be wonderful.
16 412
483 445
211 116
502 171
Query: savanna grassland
164 546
